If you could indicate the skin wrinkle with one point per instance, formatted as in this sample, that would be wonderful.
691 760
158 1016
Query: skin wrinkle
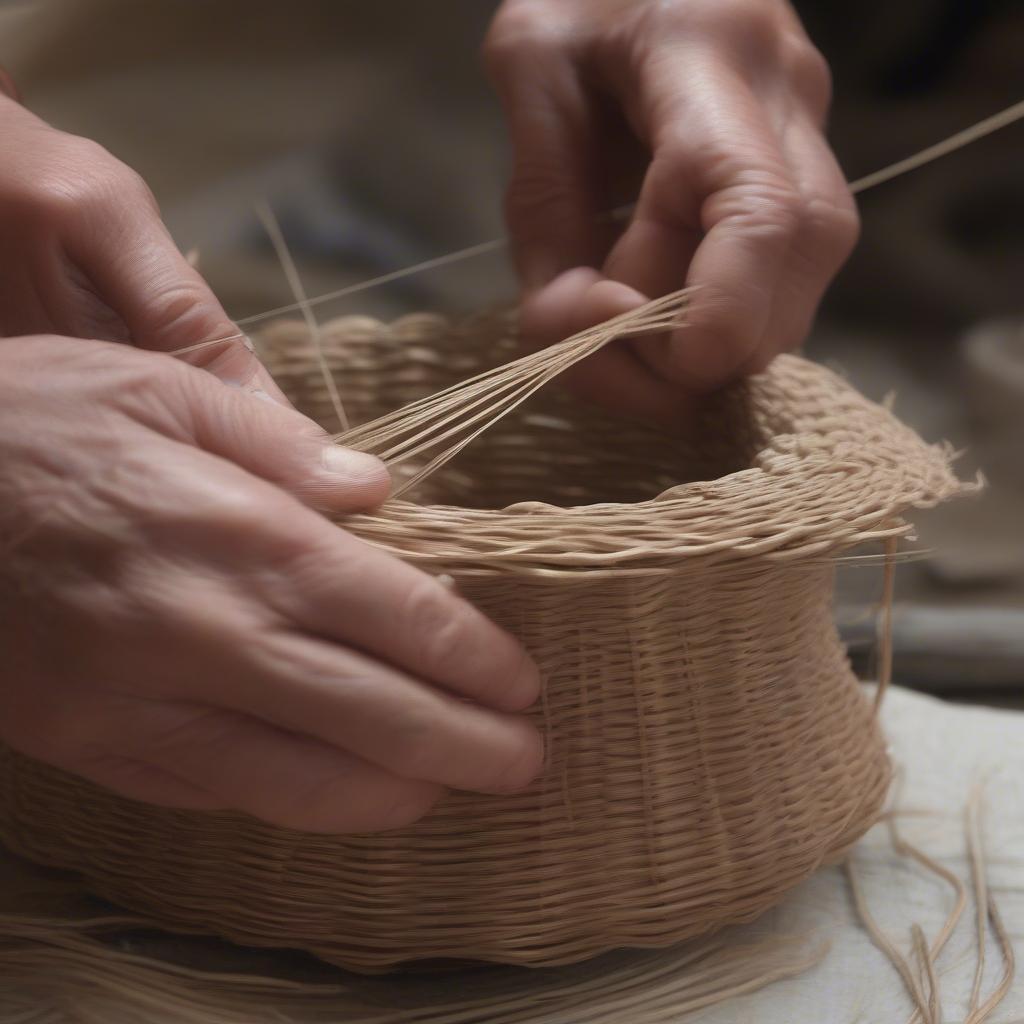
89 316
145 778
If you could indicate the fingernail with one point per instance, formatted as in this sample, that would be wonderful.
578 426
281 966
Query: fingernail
250 389
526 687
526 768
619 292
351 464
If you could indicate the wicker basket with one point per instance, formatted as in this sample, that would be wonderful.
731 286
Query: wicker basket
708 744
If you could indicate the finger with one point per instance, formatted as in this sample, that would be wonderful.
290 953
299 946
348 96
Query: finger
285 780
347 591
717 174
615 375
358 705
554 198
271 441
126 254
656 248
247 635
827 233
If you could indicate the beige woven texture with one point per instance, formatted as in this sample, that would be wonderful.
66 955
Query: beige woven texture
708 745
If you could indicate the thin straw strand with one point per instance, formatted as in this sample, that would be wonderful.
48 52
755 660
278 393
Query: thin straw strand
885 640
284 256
977 131
882 941
977 861
453 418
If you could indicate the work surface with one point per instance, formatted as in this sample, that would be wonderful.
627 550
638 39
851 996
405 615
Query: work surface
826 967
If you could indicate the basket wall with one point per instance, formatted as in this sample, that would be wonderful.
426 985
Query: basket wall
708 745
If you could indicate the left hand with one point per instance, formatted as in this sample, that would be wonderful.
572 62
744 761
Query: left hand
717 107
84 254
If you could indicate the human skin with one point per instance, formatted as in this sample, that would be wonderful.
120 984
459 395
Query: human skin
178 623
711 112
177 620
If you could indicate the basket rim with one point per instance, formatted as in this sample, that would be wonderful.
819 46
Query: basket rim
809 492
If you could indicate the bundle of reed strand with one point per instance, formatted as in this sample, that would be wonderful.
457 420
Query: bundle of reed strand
454 417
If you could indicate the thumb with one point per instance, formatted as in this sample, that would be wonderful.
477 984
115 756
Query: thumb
277 443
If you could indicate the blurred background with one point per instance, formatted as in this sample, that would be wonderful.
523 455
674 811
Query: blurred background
372 132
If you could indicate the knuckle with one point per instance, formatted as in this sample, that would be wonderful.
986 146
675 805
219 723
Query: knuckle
440 623
59 198
809 71
180 305
139 382
460 648
771 206
87 182
831 228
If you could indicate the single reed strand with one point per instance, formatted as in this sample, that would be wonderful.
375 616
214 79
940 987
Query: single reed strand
284 256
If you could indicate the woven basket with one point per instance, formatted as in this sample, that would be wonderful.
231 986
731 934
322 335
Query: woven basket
708 745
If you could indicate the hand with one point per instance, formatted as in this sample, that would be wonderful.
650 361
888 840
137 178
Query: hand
717 107
83 253
178 628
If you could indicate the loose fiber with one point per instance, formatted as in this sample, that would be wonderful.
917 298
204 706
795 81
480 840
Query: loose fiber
923 986
69 972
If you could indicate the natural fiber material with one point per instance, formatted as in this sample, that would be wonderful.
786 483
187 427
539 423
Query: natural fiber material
62 971
708 744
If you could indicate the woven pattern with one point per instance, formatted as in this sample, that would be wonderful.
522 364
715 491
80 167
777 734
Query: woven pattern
708 744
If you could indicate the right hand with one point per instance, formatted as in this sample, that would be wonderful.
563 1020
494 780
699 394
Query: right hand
178 627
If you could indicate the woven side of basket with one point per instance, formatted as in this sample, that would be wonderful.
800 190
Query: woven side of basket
701 763
708 745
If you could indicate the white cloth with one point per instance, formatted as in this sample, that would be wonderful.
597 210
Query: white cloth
942 751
